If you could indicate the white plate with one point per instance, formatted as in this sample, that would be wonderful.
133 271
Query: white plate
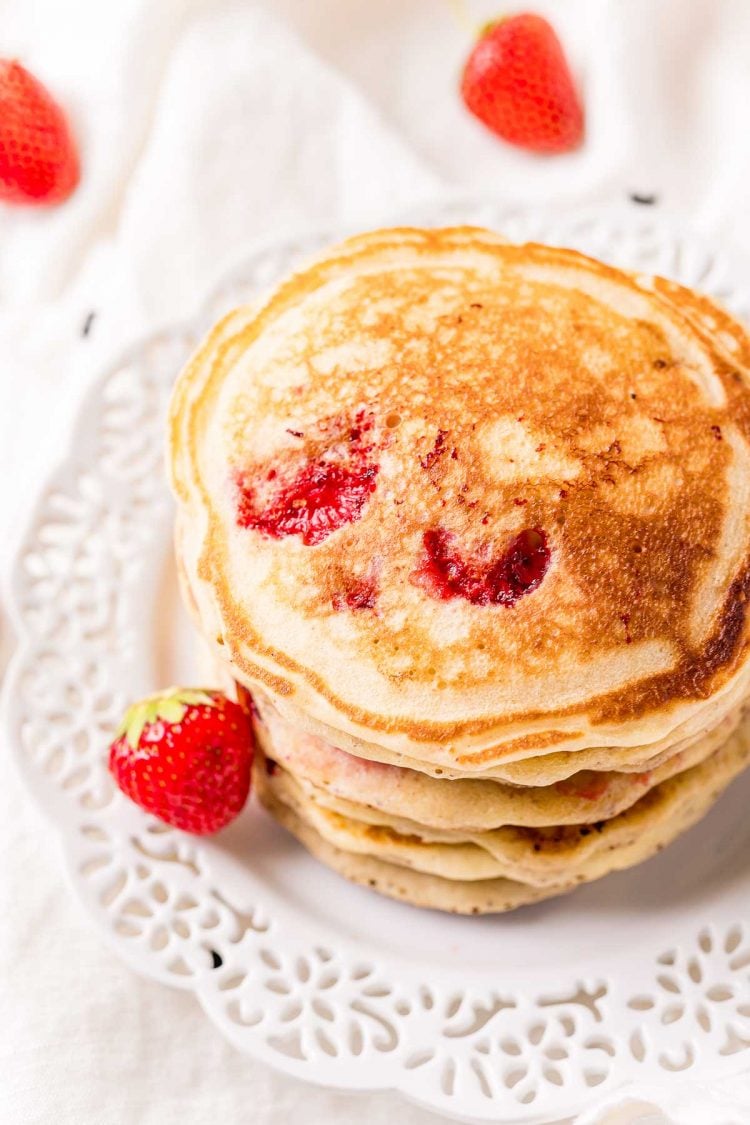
641 978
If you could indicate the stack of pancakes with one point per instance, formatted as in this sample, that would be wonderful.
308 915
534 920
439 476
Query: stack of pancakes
470 523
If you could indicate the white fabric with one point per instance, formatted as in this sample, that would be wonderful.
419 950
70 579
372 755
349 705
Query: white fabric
206 125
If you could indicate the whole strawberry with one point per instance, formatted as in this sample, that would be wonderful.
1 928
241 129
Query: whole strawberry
38 156
185 756
517 82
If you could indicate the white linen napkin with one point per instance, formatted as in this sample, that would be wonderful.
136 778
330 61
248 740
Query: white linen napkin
206 126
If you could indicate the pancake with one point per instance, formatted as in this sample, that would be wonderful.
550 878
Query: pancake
337 779
472 503
540 769
483 896
535 769
539 857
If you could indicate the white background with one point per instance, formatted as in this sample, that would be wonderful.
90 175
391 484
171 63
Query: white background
206 126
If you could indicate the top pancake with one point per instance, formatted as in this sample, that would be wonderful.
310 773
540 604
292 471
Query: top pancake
445 494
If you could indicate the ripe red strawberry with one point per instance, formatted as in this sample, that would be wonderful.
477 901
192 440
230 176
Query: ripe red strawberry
517 82
185 756
38 156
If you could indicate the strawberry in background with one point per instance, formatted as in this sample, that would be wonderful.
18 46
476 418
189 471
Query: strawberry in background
38 154
518 83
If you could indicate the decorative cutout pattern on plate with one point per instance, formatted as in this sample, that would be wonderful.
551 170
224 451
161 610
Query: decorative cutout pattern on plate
480 1044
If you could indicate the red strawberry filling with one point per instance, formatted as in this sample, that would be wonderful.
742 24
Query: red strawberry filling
362 594
444 572
436 452
325 492
587 784
318 500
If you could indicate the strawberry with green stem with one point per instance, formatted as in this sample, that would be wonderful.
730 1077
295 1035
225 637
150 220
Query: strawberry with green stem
518 83
38 155
185 756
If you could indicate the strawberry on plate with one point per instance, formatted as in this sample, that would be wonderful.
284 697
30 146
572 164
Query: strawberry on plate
517 82
185 756
38 155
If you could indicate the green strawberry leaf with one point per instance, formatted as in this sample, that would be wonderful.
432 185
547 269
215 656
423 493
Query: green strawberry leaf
170 710
489 26
170 706
139 717
196 696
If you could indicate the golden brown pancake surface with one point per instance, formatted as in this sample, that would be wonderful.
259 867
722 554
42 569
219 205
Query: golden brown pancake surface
461 498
